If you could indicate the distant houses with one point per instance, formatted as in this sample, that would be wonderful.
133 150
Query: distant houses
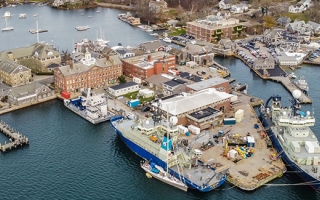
158 6
300 6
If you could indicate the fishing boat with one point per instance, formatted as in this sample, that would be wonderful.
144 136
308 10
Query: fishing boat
35 15
302 84
292 75
91 107
7 28
157 172
156 141
290 133
22 15
82 28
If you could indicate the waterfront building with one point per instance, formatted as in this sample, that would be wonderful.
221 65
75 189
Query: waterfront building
264 64
196 101
220 84
199 54
212 30
89 73
158 6
30 93
13 74
38 57
287 61
272 36
151 46
146 65
123 88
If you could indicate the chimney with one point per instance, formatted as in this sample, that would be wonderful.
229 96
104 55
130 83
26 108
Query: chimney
71 64
10 55
149 58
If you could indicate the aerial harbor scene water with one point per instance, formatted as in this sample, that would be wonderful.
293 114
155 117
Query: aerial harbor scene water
97 103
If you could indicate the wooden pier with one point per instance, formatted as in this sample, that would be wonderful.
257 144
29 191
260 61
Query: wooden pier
16 139
290 86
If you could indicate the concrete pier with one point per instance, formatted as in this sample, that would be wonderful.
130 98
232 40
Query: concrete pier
16 139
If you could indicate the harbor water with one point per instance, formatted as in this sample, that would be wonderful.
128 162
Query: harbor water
69 158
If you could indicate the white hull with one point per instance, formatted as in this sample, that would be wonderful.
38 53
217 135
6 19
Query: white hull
164 178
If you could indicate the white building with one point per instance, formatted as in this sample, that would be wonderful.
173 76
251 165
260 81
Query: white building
225 4
124 88
296 8
239 8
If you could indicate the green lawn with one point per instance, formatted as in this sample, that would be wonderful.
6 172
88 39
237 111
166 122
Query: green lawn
299 16
133 95
177 32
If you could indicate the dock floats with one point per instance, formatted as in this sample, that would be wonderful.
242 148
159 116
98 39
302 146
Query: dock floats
17 140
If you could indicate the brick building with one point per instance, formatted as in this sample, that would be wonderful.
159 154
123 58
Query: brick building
90 73
213 31
146 65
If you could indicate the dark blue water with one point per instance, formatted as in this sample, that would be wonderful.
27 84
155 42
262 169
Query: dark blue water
69 158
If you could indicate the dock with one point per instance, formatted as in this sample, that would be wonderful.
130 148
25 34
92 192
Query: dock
247 171
290 86
16 139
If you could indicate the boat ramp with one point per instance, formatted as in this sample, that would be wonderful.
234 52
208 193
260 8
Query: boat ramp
16 139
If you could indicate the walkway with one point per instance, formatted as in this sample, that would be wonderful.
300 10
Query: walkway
290 86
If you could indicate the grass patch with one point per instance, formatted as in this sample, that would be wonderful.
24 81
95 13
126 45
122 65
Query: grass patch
172 13
133 95
299 16
177 32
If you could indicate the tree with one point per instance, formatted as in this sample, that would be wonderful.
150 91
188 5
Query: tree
122 79
269 22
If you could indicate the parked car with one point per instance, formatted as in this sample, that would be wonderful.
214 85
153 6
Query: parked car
145 109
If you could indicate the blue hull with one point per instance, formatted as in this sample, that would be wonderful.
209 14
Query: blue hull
314 183
150 157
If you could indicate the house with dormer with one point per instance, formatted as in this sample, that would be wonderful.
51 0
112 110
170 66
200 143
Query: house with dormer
88 73
315 27
123 52
30 93
151 46
296 9
272 36
225 4
299 27
13 74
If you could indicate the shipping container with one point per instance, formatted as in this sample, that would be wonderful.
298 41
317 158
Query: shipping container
229 121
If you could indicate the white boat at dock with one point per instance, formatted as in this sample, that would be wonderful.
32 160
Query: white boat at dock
154 34
302 84
22 15
148 30
82 28
157 172
292 75
166 39
92 107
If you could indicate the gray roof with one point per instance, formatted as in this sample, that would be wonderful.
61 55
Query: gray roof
174 82
27 90
12 67
261 61
195 49
207 83
158 79
313 24
283 19
41 50
151 45
123 85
